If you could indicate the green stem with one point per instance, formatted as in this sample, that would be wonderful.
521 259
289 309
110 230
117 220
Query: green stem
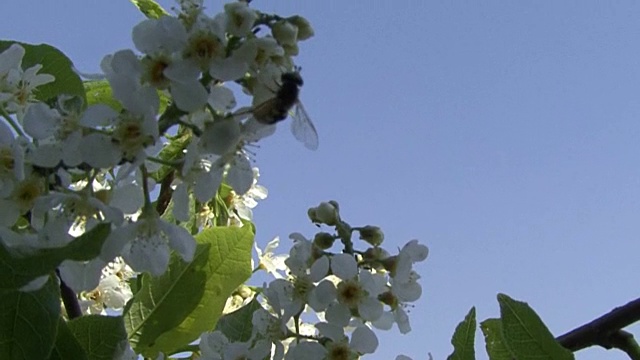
196 131
163 161
145 188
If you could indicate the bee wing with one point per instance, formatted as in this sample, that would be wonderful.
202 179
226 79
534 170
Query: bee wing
302 128
243 113
263 111
255 130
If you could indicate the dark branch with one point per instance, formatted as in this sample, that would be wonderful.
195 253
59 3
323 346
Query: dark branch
606 331
69 299
624 341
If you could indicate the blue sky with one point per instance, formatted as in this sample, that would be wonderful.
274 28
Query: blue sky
504 135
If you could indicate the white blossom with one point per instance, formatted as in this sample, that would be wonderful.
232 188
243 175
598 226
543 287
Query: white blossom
145 244
17 85
269 261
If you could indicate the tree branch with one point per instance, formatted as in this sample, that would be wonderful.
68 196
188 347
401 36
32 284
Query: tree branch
606 331
69 299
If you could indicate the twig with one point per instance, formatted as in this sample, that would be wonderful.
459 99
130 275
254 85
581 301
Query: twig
606 331
69 299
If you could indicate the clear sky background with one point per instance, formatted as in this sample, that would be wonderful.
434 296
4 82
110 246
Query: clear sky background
503 134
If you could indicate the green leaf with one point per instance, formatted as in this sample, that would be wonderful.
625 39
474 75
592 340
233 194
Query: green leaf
525 334
496 348
172 310
174 151
67 346
237 326
101 337
150 8
29 322
463 338
99 92
17 271
54 62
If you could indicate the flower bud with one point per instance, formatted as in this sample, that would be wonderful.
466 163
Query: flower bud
291 49
375 254
305 31
372 234
326 213
323 240
285 32
244 291
241 17
311 213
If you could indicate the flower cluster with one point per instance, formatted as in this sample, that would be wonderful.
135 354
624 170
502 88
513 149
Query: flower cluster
66 167
350 292
143 170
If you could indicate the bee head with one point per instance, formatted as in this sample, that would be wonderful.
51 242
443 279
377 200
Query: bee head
292 77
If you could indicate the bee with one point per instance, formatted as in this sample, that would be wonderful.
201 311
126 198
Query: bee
284 103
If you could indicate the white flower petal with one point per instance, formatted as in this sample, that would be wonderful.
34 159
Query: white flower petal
11 58
375 284
179 239
207 183
212 344
322 295
384 322
221 98
220 137
228 69
417 252
129 198
71 154
306 351
338 314
363 340
240 174
115 292
99 151
344 266
81 275
402 320
155 35
40 121
183 72
47 155
147 254
403 357
189 96
407 292
98 115
6 135
116 241
370 309
319 269
332 331
180 199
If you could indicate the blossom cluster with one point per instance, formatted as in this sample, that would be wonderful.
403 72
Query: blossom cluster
67 167
350 292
